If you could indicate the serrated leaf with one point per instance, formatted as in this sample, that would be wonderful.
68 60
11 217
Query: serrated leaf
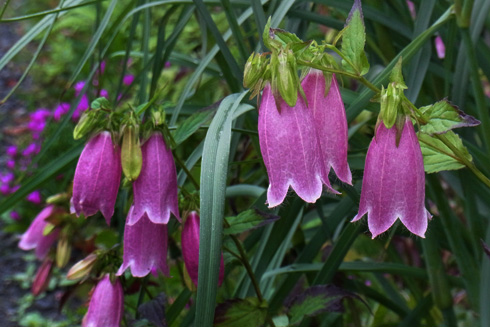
191 125
247 220
240 313
353 41
444 116
437 156
315 300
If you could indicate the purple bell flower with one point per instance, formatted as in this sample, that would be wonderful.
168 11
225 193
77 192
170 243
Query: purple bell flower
155 190
97 177
33 238
106 305
330 123
190 248
394 182
291 150
145 247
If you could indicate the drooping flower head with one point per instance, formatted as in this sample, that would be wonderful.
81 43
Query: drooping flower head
155 190
145 247
290 149
394 182
330 123
106 305
190 248
34 237
97 177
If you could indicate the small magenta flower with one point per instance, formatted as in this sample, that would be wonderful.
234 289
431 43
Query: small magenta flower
31 149
35 197
440 47
10 164
155 190
15 215
330 123
394 182
12 151
291 150
190 248
106 305
7 178
145 247
61 110
97 177
128 79
34 237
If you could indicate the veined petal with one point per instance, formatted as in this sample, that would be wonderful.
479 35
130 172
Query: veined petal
290 150
97 177
330 123
155 190
145 247
106 305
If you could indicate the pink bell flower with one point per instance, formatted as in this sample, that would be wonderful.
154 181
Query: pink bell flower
291 150
190 248
145 247
106 305
155 190
97 177
394 182
34 237
330 123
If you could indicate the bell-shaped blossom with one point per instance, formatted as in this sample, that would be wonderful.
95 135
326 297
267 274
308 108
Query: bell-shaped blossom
330 123
291 150
190 248
145 247
394 182
155 189
34 237
106 305
97 177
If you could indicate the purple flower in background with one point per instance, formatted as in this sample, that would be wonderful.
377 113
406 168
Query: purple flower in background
61 110
40 115
35 197
15 215
394 182
128 79
411 8
31 149
168 64
12 151
34 237
155 190
5 189
106 305
41 280
10 164
291 150
97 177
330 123
79 87
190 248
145 247
82 106
7 178
440 47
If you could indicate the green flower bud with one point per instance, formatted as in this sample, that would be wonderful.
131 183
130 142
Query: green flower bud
131 157
86 124
254 70
285 76
63 251
82 268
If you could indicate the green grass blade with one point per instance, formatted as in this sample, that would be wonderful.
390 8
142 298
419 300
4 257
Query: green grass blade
214 170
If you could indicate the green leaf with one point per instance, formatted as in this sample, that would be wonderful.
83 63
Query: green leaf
191 125
315 300
444 116
240 313
247 220
437 156
353 41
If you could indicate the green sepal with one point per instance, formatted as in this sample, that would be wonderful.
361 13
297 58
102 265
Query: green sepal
88 122
131 156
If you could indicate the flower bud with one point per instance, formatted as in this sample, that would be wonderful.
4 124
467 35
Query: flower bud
86 124
285 76
131 157
63 251
254 69
82 268
41 280
106 305
190 248
97 177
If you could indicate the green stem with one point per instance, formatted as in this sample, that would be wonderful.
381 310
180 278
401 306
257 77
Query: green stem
477 87
187 172
5 5
141 296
